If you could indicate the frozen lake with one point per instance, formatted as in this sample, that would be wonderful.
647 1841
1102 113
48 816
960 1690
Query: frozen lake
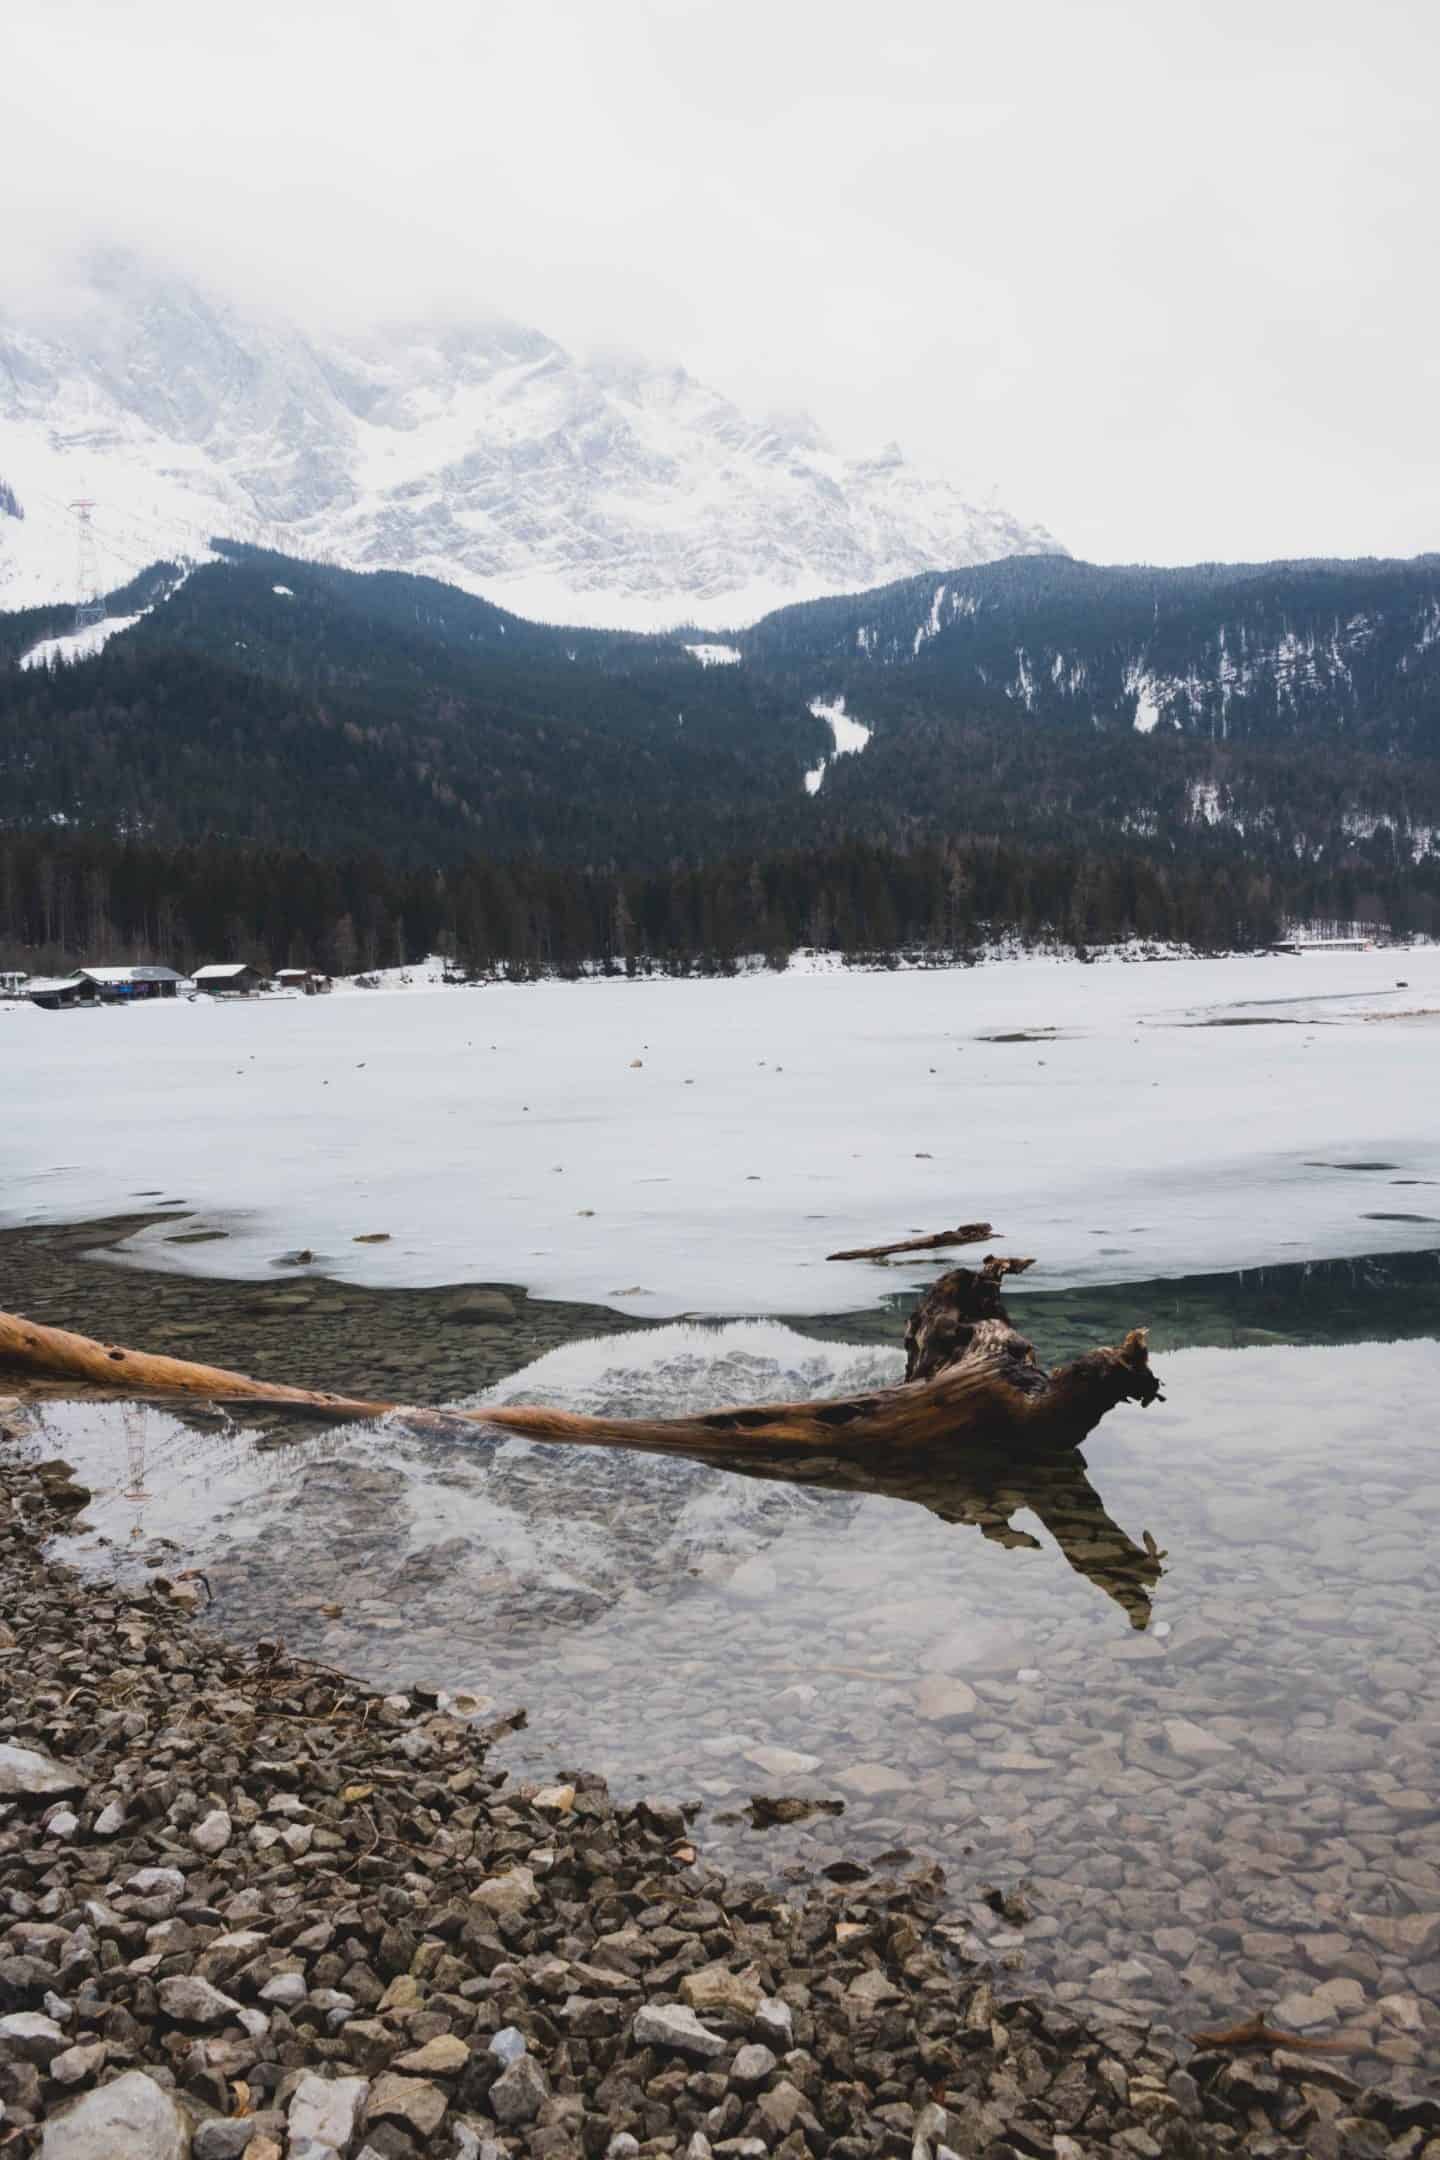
679 1147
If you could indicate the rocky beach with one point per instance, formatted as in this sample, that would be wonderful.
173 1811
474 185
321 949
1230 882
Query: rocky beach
249 1906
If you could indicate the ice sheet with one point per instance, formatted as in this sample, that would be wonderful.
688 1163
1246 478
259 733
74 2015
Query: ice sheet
672 1147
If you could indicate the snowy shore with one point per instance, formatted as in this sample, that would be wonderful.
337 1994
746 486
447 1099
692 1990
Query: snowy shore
700 1146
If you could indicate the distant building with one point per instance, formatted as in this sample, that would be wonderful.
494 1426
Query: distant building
12 981
1323 944
121 985
102 985
305 979
54 993
228 978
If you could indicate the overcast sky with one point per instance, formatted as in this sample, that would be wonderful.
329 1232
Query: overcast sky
1163 275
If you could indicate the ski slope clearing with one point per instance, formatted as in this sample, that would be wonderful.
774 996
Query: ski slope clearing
674 1147
78 644
850 737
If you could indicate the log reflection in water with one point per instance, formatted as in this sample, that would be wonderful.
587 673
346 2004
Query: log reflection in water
985 1493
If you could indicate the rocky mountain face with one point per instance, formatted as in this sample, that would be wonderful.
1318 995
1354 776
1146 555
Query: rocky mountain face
478 452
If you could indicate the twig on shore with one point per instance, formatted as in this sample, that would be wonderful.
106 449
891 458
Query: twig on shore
974 1233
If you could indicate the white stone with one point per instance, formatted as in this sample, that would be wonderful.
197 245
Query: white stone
872 1780
782 1762
510 1894
131 2118
156 1882
327 2110
35 2037
26 1773
668 2025
945 1700
192 2001
775 2020
212 1833
1192 1743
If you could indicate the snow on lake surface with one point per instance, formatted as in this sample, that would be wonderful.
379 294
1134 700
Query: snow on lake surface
670 1147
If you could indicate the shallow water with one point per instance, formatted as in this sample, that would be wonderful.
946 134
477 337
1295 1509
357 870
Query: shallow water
1206 1756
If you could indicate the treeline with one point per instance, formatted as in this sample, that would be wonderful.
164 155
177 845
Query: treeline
67 898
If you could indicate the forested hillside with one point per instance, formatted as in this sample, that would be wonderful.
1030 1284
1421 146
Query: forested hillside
1267 735
1250 652
278 702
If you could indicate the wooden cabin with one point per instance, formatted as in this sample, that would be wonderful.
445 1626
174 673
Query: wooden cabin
229 978
55 993
102 986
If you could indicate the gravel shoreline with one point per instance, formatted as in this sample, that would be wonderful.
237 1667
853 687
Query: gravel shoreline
248 1906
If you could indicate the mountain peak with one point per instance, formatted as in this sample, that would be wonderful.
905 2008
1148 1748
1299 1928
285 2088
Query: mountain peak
606 489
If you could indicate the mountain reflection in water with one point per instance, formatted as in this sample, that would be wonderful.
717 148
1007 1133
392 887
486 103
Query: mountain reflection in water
985 1491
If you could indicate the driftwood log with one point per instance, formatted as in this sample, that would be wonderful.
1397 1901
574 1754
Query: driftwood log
970 1233
970 1380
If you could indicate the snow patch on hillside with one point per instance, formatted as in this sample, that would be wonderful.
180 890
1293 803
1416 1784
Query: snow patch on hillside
78 644
931 626
1144 688
716 655
850 737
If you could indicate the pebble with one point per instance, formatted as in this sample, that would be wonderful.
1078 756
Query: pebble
672 2026
326 2110
192 2001
440 2057
413 2101
752 2066
519 2093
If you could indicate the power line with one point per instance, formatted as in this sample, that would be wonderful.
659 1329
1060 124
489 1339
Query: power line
89 608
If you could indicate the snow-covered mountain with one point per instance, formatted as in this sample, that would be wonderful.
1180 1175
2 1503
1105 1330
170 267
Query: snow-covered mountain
479 452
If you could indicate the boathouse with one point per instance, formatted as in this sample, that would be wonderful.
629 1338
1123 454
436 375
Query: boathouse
54 992
228 978
124 985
